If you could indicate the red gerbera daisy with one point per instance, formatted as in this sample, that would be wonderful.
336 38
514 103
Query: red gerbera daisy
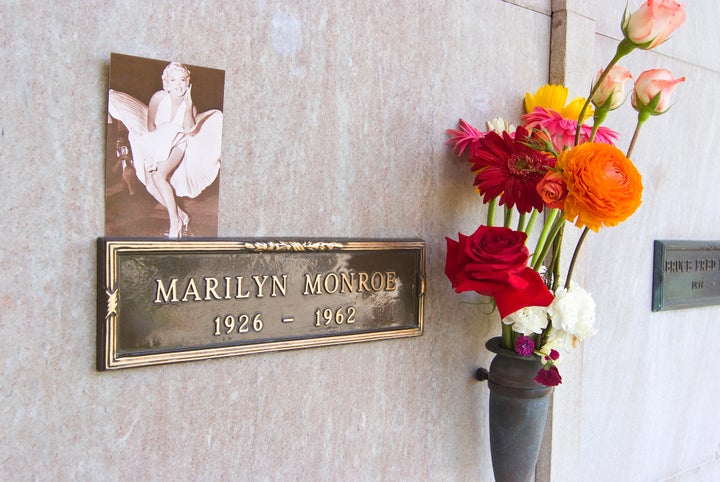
504 166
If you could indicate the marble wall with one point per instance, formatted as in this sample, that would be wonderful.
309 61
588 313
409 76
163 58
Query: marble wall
335 118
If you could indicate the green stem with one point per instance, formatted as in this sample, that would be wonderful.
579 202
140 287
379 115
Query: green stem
491 211
559 223
543 338
640 122
574 257
521 222
531 221
594 131
549 220
556 259
598 119
586 105
508 217
507 337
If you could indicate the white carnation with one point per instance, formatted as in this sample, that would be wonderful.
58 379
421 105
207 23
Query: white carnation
528 320
573 316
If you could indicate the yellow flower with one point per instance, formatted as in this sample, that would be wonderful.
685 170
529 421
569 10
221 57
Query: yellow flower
553 97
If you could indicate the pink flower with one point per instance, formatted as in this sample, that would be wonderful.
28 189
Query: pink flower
549 376
562 130
652 23
653 89
466 137
554 355
611 92
524 345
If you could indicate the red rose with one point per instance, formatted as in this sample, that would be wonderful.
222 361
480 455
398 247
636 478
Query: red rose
487 261
493 262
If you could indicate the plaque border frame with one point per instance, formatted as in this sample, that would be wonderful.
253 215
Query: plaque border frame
660 248
108 250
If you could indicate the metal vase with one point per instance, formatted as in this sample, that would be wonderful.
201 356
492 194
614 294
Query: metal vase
518 412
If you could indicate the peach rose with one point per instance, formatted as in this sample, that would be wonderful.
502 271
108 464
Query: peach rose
611 92
651 83
552 190
652 23
603 186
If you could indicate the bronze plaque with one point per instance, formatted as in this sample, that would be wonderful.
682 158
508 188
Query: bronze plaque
686 274
163 301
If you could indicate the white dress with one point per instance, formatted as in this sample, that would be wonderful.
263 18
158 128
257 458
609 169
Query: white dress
200 164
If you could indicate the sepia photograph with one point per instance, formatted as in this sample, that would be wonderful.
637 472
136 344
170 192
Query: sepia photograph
164 137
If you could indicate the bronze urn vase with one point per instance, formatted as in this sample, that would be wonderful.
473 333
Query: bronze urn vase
518 412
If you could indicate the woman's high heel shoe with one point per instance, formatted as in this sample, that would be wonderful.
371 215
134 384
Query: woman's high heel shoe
185 220
177 233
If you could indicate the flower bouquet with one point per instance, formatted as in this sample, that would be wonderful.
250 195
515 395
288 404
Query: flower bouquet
556 165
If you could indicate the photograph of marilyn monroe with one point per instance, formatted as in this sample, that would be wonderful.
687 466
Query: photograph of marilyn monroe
165 132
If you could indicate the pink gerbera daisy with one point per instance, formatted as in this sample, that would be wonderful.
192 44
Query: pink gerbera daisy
464 138
504 166
562 130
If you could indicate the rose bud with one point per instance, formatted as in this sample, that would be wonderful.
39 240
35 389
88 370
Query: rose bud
610 94
653 90
652 23
552 190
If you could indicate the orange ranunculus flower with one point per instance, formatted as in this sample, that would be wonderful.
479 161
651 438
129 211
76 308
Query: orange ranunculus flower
603 186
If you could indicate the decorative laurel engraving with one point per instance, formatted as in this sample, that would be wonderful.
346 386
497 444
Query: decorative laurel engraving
292 246
112 303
